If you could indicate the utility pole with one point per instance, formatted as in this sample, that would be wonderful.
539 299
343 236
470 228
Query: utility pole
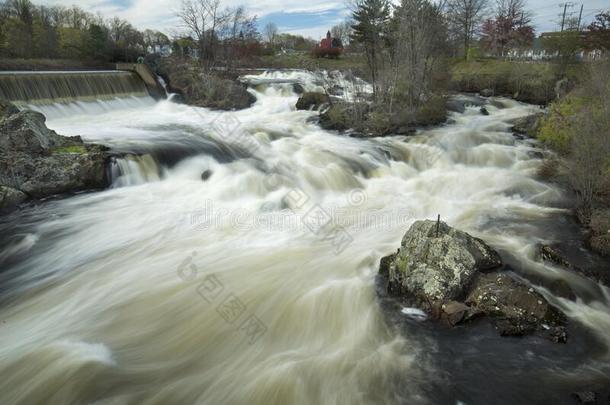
582 6
563 19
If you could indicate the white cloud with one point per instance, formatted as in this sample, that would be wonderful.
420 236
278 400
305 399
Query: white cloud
161 14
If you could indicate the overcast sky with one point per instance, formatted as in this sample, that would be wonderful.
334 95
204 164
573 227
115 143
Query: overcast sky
309 18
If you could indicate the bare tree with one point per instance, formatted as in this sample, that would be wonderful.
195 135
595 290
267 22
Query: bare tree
342 31
419 40
204 20
270 32
465 18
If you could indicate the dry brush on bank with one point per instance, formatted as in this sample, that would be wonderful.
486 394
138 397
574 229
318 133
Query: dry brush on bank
578 128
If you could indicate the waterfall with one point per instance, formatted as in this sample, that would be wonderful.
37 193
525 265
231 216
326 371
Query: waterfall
44 88
133 170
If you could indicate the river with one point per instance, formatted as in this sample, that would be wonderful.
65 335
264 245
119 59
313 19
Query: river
233 261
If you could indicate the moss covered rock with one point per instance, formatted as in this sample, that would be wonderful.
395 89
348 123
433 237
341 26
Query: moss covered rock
436 263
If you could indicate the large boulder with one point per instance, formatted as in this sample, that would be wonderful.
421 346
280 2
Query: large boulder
37 162
436 263
456 277
312 101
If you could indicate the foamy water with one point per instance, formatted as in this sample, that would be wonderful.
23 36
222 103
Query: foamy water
257 285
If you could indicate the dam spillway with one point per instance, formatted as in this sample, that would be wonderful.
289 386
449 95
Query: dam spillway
43 88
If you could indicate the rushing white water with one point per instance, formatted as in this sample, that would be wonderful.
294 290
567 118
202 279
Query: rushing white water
170 289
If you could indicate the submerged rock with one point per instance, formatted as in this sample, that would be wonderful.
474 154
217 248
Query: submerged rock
487 93
37 162
456 277
484 111
205 176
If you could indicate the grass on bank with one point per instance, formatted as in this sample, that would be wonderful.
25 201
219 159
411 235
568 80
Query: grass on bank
79 149
533 82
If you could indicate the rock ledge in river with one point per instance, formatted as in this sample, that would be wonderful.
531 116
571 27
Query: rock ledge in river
37 162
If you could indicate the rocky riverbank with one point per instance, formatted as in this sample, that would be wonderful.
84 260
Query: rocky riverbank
456 278
36 162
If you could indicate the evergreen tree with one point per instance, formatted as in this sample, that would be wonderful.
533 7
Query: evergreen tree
371 19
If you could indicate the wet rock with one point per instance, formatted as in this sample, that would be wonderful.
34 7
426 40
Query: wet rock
553 255
205 176
456 277
7 109
436 263
343 116
455 106
10 197
312 100
384 264
298 88
585 397
515 308
527 125
336 90
498 104
37 162
487 93
217 90
484 111
459 104
454 312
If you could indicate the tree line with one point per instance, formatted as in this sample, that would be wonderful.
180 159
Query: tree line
36 31
406 44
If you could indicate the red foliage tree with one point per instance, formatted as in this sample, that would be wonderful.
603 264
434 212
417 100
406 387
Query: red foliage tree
506 32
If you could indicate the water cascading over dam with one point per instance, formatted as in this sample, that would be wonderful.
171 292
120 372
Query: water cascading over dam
45 88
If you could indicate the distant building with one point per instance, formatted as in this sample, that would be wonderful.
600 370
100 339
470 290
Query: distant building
538 52
329 46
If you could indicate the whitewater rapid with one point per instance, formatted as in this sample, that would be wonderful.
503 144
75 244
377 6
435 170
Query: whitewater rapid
170 289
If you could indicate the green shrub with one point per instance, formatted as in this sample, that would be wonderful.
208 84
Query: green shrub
559 126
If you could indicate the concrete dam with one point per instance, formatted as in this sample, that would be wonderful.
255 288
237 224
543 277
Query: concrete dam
25 88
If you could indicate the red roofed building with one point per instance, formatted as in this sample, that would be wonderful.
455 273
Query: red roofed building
329 46
327 43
